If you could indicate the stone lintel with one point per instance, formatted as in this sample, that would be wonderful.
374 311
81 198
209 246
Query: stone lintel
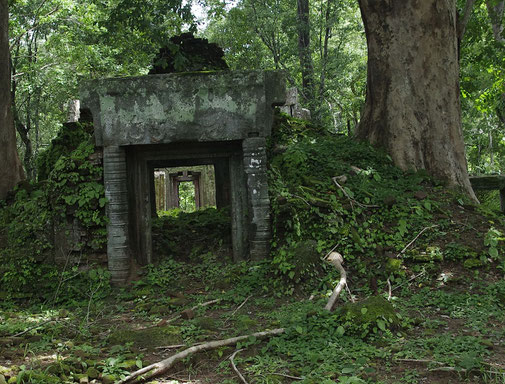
183 107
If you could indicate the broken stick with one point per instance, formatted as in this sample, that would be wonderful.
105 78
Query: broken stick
163 366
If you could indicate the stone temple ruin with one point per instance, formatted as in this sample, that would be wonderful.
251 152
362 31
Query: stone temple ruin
181 120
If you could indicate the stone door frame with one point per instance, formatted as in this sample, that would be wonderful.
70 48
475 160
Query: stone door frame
220 118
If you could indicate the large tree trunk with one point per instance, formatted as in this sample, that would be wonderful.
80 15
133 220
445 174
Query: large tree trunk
412 105
11 171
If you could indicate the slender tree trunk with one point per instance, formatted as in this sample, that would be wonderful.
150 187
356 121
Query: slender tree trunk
304 53
324 53
412 106
11 171
495 10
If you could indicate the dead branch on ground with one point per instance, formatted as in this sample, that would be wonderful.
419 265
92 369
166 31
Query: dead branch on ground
163 366
351 200
235 367
414 240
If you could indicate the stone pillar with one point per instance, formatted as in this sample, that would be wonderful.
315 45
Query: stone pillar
239 214
255 161
115 179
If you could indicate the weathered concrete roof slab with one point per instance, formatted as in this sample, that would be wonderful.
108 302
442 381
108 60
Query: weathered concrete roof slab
200 106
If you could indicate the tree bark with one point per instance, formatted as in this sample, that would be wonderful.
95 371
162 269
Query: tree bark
304 53
11 171
495 10
412 106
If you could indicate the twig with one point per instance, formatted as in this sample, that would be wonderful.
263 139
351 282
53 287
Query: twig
328 254
210 302
351 200
408 281
287 376
241 305
174 346
420 361
193 308
336 259
301 198
163 366
415 238
33 327
389 290
235 367
350 293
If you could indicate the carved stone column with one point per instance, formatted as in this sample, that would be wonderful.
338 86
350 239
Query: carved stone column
255 161
115 179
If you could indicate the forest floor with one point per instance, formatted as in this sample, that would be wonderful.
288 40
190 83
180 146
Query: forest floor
450 329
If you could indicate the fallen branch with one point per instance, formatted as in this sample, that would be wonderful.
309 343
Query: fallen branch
235 367
194 308
428 361
163 366
408 281
351 200
287 376
336 259
33 327
414 239
241 305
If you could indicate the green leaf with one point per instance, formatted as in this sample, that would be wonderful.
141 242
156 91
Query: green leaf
493 252
299 329
364 310
381 324
340 331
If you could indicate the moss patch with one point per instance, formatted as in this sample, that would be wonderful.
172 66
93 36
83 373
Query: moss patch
369 311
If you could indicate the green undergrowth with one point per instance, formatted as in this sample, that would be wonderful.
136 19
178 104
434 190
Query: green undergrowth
69 195
185 235
338 194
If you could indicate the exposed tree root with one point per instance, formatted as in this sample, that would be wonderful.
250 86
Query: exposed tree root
163 366
336 259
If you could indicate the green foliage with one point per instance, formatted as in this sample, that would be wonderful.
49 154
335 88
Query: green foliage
77 188
187 196
73 190
182 234
264 36
26 223
69 137
368 212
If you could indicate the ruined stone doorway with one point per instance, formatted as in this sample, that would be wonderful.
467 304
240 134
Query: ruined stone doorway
187 188
158 121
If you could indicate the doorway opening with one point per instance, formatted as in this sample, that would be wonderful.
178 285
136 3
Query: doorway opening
188 188
188 222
